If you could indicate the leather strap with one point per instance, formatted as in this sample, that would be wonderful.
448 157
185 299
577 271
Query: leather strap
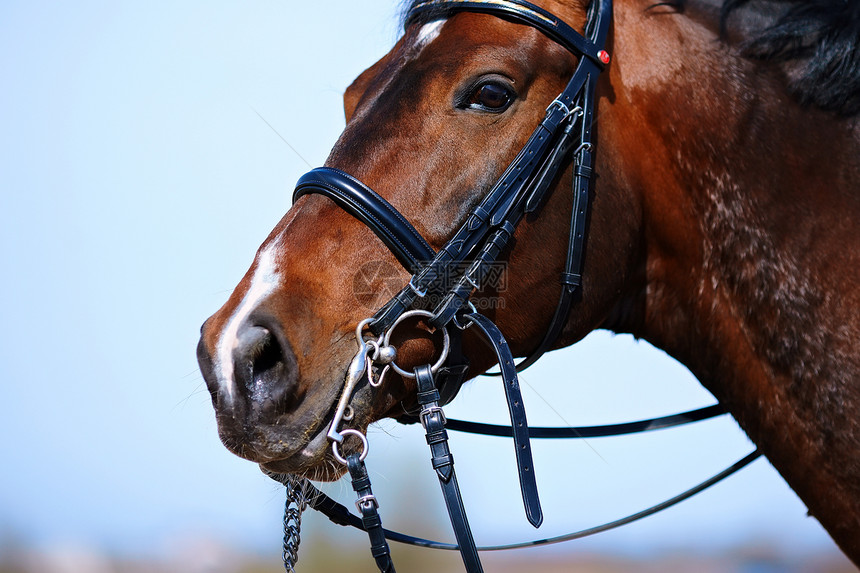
433 420
579 432
571 277
370 520
448 379
518 10
495 211
519 424
457 297
367 206
340 515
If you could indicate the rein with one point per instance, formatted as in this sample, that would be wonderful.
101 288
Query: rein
564 134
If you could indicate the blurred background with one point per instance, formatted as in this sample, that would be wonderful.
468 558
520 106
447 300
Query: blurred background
146 150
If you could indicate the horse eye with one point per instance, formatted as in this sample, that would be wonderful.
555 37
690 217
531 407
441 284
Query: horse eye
492 97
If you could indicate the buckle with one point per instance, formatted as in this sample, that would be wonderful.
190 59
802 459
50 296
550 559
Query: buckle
366 502
421 293
577 111
427 412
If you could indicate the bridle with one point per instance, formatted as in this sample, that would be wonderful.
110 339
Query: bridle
442 283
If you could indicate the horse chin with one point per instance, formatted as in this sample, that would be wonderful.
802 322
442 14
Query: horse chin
314 461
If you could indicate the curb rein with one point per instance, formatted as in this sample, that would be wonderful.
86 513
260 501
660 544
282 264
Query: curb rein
565 132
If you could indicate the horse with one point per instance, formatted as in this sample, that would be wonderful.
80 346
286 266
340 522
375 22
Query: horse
721 228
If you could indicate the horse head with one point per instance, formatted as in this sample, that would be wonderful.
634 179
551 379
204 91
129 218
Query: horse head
430 127
708 190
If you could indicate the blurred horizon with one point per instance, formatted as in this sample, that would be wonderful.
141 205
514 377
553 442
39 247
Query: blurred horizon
143 161
211 556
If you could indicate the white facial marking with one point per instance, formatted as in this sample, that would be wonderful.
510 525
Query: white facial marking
262 283
428 33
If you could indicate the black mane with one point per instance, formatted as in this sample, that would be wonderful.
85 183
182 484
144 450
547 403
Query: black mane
818 44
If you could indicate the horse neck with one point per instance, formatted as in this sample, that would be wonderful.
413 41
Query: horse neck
768 320
749 210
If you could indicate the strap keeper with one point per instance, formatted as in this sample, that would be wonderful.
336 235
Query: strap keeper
571 279
370 517
584 171
428 397
436 437
442 461
380 550
361 483
480 213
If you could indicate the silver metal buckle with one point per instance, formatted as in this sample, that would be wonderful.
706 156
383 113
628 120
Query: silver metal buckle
561 104
415 289
366 501
577 111
471 281
425 413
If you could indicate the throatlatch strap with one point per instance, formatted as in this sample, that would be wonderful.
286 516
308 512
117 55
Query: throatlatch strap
370 520
522 445
433 420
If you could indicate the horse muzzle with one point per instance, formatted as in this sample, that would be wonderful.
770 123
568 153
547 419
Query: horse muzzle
264 413
249 368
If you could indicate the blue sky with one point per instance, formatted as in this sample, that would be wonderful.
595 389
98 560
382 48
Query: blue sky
137 181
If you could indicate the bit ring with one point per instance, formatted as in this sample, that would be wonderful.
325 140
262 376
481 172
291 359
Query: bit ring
446 342
351 432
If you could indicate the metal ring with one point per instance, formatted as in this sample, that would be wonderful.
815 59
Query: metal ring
364 445
374 345
468 324
359 330
446 342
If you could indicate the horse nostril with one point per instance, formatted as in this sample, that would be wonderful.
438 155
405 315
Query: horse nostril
269 357
253 342
261 367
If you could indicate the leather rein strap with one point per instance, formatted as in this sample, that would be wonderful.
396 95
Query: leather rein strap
340 515
433 420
